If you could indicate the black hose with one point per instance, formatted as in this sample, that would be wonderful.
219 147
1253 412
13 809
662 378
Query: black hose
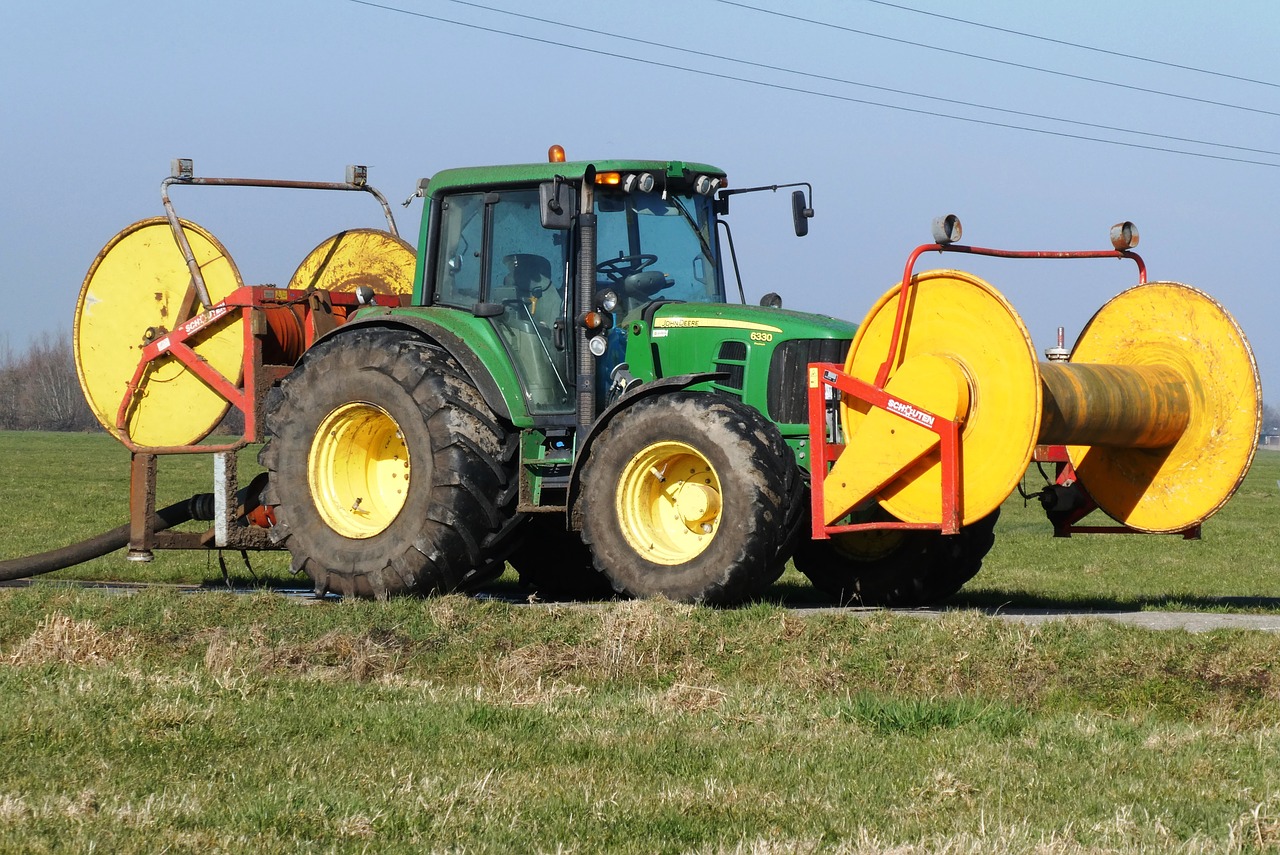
94 547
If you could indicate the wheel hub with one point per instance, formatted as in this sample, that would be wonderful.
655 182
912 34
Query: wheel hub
669 503
358 470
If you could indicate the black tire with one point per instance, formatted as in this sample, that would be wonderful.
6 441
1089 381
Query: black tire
896 568
709 441
455 519
555 564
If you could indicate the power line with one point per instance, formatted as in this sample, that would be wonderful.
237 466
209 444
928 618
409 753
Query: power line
1006 62
800 90
1122 54
846 81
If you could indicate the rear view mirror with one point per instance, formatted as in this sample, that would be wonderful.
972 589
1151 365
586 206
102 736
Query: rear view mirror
801 213
556 204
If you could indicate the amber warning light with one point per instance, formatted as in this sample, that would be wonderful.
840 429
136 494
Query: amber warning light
555 154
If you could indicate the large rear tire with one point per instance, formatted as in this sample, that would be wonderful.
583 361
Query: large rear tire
895 568
389 473
685 496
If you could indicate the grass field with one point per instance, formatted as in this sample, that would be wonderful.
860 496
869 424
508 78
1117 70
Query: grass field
207 722
61 488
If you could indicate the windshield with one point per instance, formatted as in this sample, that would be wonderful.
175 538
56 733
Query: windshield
651 248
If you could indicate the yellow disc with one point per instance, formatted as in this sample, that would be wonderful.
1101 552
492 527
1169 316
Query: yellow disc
967 323
358 470
357 257
669 503
134 292
1177 326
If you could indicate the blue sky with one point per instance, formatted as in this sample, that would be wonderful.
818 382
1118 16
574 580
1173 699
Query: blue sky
96 99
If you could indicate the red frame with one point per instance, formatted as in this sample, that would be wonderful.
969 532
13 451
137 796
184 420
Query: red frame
824 452
242 302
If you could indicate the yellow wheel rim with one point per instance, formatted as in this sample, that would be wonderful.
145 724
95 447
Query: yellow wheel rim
358 470
668 503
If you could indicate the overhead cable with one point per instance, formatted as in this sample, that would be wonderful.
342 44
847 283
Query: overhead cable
803 91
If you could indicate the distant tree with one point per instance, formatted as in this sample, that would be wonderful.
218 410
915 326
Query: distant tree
8 387
39 389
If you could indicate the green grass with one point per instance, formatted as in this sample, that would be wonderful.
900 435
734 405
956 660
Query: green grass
178 722
1236 564
203 722
60 488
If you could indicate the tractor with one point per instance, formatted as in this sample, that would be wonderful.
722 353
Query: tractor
564 374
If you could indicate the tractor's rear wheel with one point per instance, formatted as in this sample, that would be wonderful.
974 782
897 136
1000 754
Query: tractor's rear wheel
685 496
895 567
388 472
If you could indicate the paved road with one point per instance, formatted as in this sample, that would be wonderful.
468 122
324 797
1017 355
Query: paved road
1189 621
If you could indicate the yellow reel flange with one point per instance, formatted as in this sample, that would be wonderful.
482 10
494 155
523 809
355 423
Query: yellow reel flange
137 289
358 257
965 354
1177 329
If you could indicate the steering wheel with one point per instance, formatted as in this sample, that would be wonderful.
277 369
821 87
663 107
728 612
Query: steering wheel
617 269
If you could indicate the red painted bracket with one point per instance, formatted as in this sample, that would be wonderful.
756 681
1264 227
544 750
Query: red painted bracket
178 343
824 450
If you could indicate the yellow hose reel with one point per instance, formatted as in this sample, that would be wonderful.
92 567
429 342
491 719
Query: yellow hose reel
140 288
1159 404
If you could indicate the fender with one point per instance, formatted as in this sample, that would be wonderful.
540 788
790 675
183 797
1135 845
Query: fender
447 341
639 393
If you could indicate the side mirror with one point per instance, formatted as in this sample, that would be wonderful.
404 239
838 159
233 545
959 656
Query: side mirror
556 204
801 213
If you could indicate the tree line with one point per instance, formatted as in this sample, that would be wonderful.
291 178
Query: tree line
39 389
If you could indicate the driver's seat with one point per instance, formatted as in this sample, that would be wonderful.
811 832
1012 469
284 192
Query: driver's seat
529 275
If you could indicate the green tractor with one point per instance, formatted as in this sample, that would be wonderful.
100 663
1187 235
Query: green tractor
571 390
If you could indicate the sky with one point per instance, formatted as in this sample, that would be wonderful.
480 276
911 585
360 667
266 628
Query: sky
97 98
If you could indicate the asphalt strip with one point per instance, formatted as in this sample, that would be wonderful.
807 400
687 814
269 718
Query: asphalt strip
1186 621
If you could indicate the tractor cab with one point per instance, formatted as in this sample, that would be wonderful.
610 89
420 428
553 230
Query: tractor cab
506 245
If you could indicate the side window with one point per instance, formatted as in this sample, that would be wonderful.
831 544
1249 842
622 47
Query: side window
526 265
461 241
526 262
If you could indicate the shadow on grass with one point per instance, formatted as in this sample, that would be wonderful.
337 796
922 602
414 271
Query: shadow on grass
802 596
798 595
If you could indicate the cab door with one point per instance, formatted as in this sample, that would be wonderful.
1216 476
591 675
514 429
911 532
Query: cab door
494 251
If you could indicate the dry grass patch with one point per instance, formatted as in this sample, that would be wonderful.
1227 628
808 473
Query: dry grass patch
59 639
336 656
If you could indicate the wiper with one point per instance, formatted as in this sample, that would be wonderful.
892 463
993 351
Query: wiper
706 247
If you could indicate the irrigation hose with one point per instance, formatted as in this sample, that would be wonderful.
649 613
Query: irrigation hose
94 547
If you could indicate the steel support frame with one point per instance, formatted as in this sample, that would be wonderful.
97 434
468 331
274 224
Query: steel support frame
824 450
245 303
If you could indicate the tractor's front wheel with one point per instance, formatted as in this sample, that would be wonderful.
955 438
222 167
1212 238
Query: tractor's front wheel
895 567
388 472
684 496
